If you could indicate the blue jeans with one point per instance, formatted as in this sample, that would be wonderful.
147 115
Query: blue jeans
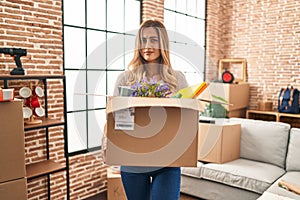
161 184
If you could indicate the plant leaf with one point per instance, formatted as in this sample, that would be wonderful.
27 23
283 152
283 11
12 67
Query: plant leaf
219 98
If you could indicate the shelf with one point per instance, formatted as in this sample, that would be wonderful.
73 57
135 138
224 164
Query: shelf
46 122
262 115
46 167
43 168
292 119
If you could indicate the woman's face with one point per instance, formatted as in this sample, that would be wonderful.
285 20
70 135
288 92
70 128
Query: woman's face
150 47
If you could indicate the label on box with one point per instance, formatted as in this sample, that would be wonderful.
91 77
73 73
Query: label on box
124 119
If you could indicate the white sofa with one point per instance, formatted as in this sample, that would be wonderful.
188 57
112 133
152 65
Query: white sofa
269 152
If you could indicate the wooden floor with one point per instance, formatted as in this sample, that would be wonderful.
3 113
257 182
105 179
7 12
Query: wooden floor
103 197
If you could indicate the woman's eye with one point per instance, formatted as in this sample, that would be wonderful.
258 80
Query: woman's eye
154 40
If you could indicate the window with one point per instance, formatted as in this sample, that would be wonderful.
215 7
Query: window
185 22
97 46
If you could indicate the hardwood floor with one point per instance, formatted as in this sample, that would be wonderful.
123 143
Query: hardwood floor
104 197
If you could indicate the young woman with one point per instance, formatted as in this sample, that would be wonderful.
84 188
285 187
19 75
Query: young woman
151 60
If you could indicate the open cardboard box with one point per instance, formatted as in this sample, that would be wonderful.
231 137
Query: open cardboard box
236 95
144 131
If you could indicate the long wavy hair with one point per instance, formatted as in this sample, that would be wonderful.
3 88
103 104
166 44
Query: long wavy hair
137 66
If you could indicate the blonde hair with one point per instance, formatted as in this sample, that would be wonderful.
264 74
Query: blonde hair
137 65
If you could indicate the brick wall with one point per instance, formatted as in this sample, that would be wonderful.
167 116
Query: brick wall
214 37
265 33
88 175
153 9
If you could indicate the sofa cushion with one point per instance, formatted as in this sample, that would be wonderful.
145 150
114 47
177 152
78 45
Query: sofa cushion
290 177
247 174
292 159
263 141
192 171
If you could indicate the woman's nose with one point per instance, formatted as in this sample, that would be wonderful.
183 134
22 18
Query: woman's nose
147 44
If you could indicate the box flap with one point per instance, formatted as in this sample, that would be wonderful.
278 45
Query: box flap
119 103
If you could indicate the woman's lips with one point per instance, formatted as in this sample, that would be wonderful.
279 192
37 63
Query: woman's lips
148 52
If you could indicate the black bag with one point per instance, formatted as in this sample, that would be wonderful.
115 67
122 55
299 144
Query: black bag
288 101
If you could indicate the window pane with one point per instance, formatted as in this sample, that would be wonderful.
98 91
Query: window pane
74 12
115 51
96 85
170 4
132 10
201 9
96 124
187 58
96 13
169 22
129 48
74 47
111 79
76 84
77 139
181 26
181 6
191 6
201 33
196 30
193 75
115 15
187 49
96 49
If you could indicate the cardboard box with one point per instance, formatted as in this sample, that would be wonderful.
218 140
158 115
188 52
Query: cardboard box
12 153
14 190
160 131
115 189
235 94
237 113
6 94
265 105
219 143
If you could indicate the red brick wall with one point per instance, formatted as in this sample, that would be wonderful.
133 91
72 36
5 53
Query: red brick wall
88 175
153 9
35 26
266 34
214 37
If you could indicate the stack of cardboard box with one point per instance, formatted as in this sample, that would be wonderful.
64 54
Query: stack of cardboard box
13 184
